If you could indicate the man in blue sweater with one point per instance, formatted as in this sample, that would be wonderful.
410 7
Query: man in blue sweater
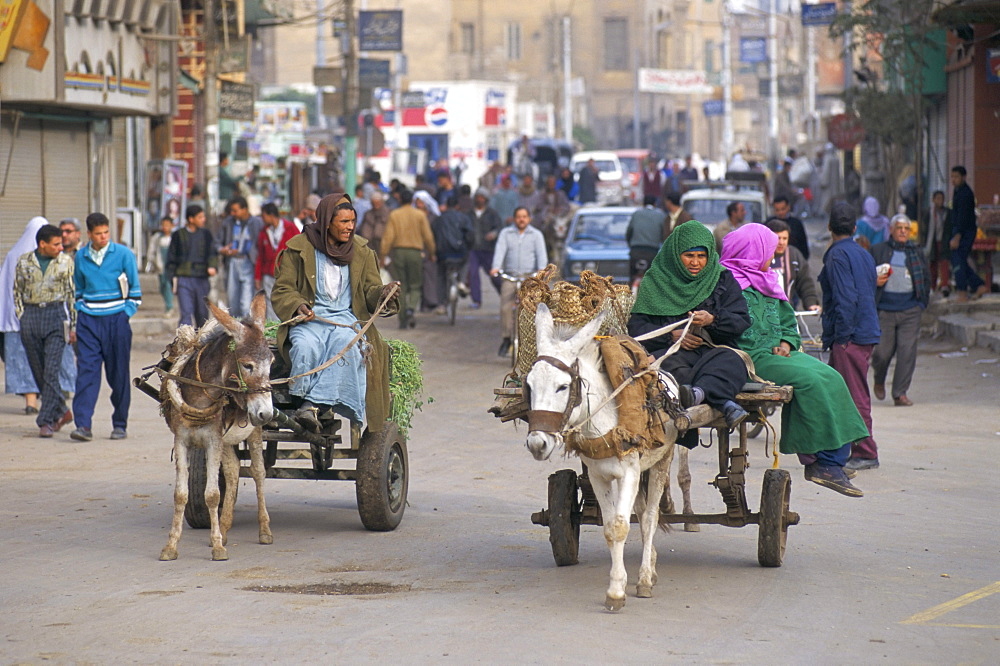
850 321
963 224
107 294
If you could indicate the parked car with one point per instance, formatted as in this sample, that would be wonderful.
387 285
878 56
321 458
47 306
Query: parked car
596 242
612 180
633 162
708 204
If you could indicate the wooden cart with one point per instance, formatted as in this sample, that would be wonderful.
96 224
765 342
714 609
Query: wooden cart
571 499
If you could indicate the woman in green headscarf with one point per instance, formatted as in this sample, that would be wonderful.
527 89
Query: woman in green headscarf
685 278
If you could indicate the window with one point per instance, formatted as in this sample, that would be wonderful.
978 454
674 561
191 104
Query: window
710 47
615 44
467 38
513 41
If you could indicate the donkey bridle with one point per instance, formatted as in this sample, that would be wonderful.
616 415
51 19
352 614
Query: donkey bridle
553 422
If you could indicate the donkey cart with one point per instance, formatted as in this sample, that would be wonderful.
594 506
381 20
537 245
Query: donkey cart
380 470
572 502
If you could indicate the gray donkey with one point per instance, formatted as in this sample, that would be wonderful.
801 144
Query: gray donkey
223 397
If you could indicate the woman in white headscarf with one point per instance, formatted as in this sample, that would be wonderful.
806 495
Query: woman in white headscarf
423 201
17 373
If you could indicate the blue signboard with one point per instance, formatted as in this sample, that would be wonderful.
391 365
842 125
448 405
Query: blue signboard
380 30
819 14
373 73
713 107
753 49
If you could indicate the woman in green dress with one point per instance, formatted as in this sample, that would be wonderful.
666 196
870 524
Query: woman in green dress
821 421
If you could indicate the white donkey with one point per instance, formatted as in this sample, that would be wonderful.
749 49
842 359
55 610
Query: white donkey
554 387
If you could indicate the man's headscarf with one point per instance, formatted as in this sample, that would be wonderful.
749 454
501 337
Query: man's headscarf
318 233
428 200
668 288
744 251
9 322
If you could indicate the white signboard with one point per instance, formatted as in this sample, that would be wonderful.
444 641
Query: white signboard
676 81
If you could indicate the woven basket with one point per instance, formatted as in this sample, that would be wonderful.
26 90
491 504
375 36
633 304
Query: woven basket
570 304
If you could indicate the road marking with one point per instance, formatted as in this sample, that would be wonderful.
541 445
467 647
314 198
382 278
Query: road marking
926 616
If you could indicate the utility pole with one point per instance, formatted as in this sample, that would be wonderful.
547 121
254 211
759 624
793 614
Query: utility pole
811 82
772 38
350 103
210 94
727 84
567 81
321 25
636 128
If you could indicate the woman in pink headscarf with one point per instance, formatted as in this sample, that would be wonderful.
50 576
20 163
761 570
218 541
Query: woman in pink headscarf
821 421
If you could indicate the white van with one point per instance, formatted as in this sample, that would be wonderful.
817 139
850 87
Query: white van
612 180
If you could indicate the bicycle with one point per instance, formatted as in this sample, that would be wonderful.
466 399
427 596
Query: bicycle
515 338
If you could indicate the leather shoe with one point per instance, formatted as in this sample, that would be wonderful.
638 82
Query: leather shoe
860 464
82 434
879 391
118 433
903 401
504 347
832 477
46 431
307 416
63 420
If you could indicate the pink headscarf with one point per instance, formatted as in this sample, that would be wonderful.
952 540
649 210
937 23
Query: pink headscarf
744 251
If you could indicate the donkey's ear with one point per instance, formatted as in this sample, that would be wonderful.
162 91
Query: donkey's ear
258 310
543 327
227 321
589 330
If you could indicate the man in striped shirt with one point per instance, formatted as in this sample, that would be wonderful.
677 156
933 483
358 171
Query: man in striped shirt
107 295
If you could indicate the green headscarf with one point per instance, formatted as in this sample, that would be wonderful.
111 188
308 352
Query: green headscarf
668 288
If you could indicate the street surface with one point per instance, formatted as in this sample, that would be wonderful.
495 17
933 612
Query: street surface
907 574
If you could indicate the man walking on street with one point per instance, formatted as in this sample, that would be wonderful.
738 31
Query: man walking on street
676 215
270 242
647 229
903 293
797 237
963 226
850 321
407 240
486 226
70 228
43 301
239 246
107 295
191 260
520 251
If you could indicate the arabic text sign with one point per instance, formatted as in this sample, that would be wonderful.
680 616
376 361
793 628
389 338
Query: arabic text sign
753 49
675 81
819 14
380 30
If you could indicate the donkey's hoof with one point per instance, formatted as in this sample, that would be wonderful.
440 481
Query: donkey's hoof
643 591
692 527
168 553
266 539
219 553
614 605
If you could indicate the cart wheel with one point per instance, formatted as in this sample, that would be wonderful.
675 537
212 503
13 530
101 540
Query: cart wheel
564 517
382 478
774 521
196 511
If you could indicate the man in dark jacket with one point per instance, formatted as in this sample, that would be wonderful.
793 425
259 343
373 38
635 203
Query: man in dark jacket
796 230
486 226
903 292
453 239
588 182
647 229
788 262
191 260
850 321
963 220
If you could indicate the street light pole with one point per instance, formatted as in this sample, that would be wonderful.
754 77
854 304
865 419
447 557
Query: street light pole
210 95
727 84
350 103
567 81
772 29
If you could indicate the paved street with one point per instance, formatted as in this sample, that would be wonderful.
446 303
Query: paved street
908 574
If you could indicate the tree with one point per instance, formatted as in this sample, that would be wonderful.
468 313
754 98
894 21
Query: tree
891 40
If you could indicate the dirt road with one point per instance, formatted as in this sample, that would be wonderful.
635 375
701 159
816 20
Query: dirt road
468 578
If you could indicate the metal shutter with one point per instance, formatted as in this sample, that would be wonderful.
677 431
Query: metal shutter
22 198
66 163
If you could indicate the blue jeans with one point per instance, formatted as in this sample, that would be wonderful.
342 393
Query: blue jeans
834 457
103 340
239 285
966 279
191 295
